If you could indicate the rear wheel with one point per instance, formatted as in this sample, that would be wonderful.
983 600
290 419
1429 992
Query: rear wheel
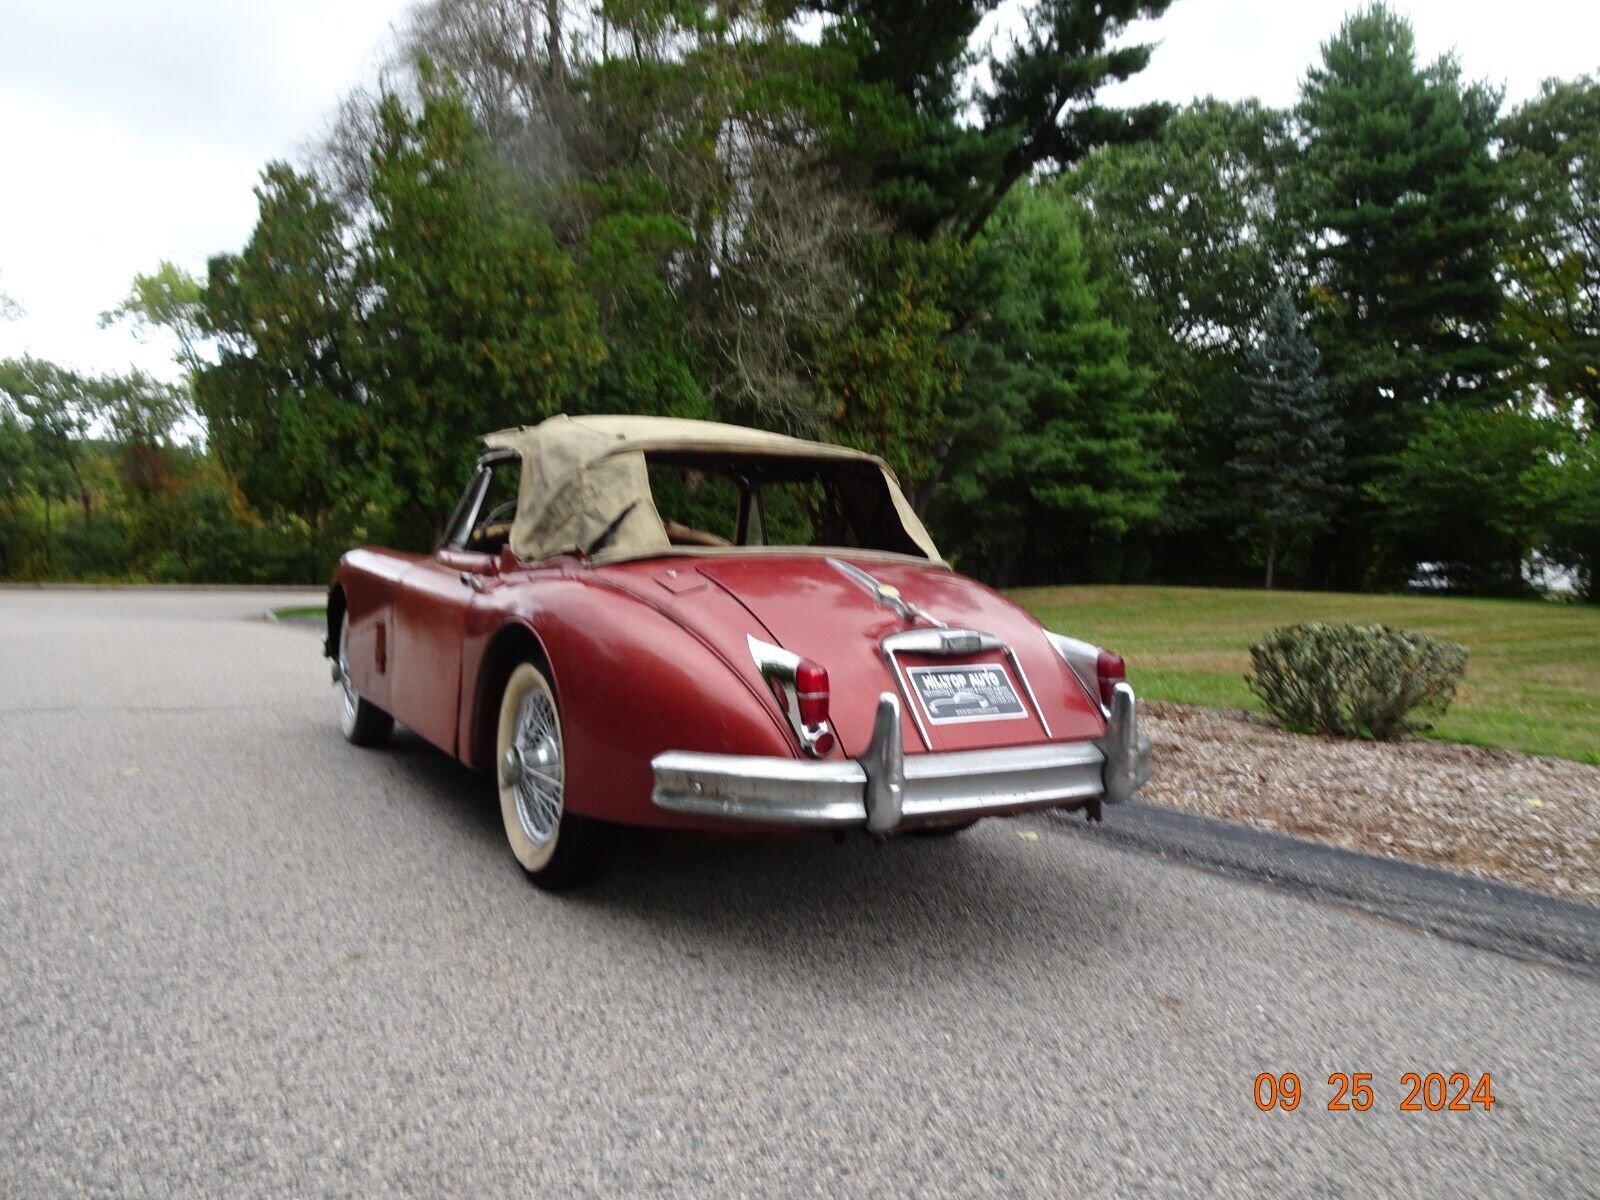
558 849
363 724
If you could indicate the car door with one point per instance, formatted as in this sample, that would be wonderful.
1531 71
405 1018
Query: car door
434 594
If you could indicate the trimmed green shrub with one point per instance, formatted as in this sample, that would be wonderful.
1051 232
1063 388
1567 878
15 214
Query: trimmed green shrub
1354 681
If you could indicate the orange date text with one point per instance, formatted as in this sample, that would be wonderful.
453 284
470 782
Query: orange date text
1355 1091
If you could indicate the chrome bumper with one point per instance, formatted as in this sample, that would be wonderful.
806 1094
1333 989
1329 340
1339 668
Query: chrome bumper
885 789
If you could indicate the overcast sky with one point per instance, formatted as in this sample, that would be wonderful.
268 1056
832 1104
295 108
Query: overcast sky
134 132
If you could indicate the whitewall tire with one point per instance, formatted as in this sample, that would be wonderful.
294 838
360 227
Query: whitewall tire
557 848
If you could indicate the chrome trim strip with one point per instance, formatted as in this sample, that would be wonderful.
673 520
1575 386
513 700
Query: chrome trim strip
780 666
1016 665
904 685
1081 658
941 643
785 791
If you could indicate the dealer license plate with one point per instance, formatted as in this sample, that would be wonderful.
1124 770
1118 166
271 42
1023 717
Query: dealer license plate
966 693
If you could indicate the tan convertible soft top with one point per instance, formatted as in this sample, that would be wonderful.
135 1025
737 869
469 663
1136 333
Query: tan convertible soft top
584 476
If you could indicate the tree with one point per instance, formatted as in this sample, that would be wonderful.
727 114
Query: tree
673 151
169 299
58 406
288 410
889 374
1400 202
16 462
1052 454
1288 449
1189 220
1186 229
1550 151
1470 492
940 128
1572 501
478 319
143 416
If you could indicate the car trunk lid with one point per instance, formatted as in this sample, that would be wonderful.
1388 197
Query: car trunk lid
1005 688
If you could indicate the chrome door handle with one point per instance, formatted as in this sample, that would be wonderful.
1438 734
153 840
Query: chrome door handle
472 580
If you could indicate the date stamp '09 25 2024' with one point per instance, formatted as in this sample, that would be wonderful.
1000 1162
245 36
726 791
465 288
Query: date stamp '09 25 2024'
1353 1092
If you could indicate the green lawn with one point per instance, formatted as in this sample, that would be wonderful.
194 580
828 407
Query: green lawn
299 612
1533 681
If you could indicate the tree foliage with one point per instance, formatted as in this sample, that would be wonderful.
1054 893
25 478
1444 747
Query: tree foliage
1188 232
915 228
1288 458
286 404
1551 156
1397 195
939 125
1468 493
477 319
58 407
1051 457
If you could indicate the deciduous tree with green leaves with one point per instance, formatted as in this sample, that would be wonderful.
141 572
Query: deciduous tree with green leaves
1571 500
477 318
59 407
1550 152
289 408
1470 492
1186 230
167 299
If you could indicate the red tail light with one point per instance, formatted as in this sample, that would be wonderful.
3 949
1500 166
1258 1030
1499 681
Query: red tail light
1110 670
811 692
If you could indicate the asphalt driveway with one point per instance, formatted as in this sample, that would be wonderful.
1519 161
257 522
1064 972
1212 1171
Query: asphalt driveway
239 957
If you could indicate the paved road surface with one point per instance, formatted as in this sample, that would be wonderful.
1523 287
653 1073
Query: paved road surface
238 957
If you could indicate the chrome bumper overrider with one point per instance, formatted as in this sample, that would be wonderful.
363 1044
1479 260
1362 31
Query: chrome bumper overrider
885 789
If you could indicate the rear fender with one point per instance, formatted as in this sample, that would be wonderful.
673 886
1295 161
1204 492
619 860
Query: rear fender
630 682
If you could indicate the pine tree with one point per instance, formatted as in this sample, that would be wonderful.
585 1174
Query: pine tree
1288 453
1055 450
1401 206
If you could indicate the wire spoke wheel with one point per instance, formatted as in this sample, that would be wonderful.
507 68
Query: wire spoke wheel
558 849
538 768
347 692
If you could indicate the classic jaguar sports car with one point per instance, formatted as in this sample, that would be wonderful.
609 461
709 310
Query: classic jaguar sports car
654 622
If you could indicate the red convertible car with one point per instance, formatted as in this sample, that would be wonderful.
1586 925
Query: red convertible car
654 622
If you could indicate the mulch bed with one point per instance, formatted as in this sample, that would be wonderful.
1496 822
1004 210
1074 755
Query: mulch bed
1494 813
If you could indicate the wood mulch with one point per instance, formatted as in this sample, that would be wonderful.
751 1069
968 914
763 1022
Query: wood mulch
1496 813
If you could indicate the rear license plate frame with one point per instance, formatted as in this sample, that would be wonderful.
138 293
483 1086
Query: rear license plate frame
966 693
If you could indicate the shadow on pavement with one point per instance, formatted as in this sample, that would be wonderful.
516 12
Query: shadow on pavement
880 911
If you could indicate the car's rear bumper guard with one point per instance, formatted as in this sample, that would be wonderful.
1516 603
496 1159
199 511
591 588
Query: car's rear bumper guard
886 789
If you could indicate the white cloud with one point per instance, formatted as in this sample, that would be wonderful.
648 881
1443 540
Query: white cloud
1236 49
135 132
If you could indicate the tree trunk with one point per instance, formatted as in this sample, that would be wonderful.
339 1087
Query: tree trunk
1272 557
552 35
